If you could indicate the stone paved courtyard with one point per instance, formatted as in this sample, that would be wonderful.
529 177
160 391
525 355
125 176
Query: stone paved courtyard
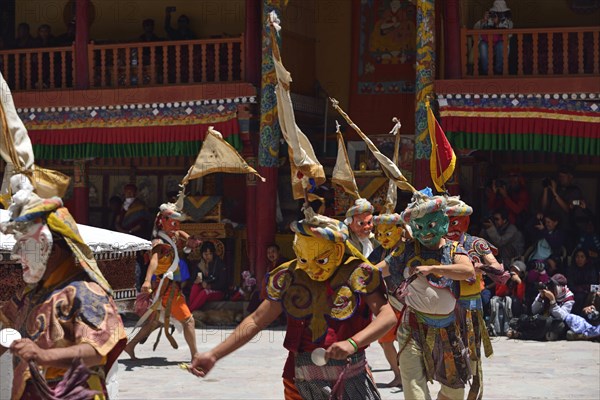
518 370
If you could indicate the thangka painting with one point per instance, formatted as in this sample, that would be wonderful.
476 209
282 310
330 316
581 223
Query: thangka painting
386 48
383 65
372 186
385 144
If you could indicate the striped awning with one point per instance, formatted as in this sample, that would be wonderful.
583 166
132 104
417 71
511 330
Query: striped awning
129 131
520 123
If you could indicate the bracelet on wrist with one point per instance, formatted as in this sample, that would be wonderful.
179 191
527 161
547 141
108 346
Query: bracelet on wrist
353 343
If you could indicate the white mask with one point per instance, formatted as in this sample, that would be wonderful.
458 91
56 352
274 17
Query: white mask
33 250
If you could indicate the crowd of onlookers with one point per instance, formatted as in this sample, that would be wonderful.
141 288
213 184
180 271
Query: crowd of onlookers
212 55
45 38
552 255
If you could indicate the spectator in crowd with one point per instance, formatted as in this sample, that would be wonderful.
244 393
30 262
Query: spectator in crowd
274 257
24 40
148 34
499 17
587 236
550 307
484 23
45 38
588 326
114 209
504 235
508 301
511 195
558 197
211 280
581 275
537 274
183 31
550 246
67 38
134 217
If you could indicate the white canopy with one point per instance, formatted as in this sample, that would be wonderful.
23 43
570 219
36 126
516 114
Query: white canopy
101 241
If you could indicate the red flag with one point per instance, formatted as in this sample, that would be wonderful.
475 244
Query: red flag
443 159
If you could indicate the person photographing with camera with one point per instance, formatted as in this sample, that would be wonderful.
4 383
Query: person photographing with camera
512 195
564 198
183 30
550 307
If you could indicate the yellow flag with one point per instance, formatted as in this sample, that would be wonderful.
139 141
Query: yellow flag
390 169
342 172
216 155
306 171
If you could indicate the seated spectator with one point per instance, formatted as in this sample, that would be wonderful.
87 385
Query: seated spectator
581 275
114 210
274 257
504 235
589 240
211 280
552 304
550 246
587 327
508 301
511 195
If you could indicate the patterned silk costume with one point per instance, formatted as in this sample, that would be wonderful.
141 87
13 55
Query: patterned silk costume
320 314
429 317
73 305
473 328
429 334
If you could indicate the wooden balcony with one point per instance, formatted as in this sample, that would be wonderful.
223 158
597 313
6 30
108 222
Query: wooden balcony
43 68
527 53
128 64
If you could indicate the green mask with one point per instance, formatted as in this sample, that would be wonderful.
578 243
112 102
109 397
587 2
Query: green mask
431 228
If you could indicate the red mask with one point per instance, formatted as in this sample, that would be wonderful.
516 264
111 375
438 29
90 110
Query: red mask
458 226
168 224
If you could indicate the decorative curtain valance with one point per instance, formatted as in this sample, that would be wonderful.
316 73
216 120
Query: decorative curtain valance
512 123
151 130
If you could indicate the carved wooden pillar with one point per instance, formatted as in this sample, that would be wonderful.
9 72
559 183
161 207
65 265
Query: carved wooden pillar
81 192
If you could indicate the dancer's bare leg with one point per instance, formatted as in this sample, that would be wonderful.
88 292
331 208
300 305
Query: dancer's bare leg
142 334
189 333
391 355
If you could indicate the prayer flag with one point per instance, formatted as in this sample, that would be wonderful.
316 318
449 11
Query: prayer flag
391 170
443 160
342 172
306 171
216 155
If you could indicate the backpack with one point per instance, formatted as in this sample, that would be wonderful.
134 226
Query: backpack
542 251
